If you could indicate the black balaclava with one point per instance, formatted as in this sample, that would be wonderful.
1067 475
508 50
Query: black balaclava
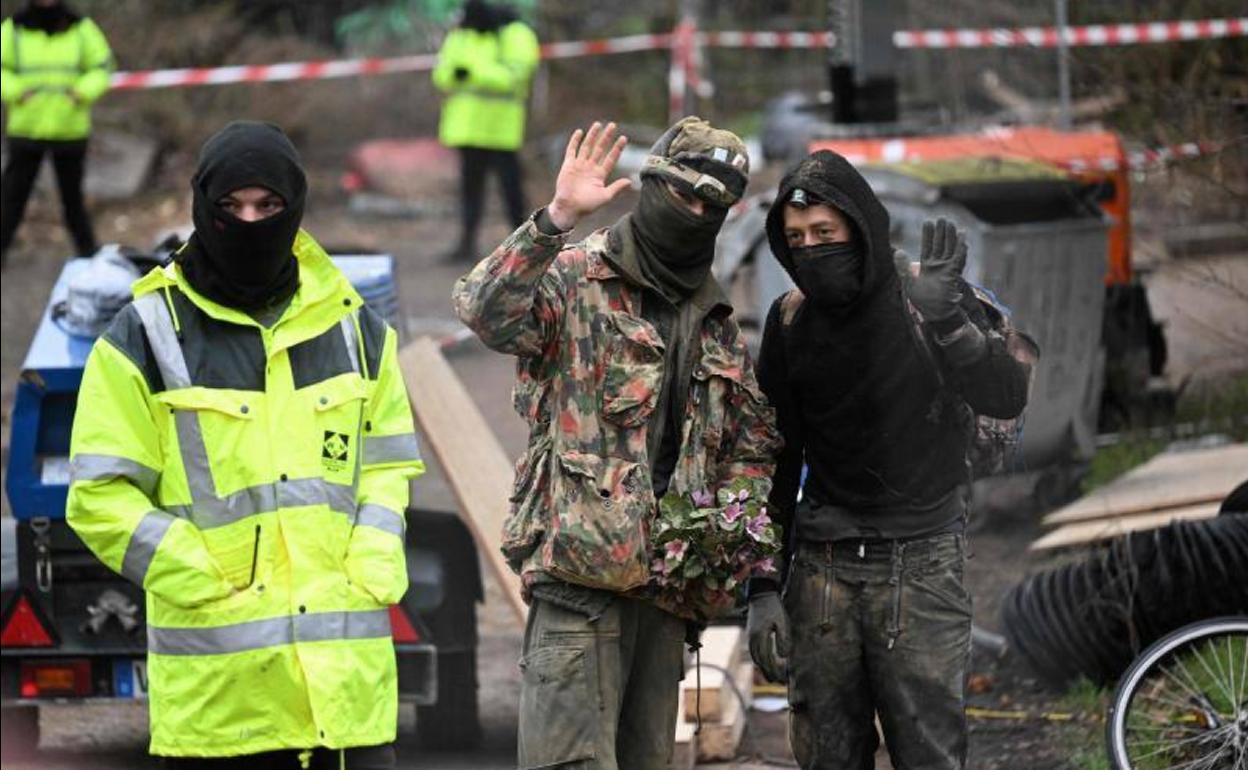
51 19
674 246
245 265
480 16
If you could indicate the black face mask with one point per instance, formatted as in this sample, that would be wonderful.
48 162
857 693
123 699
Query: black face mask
245 265
829 273
675 245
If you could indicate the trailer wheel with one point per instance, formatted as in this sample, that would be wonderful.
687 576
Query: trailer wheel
453 722
19 732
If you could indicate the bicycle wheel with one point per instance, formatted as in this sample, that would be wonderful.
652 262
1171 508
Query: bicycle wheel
1183 703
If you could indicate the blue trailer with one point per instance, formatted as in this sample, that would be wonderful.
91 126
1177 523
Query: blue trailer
72 631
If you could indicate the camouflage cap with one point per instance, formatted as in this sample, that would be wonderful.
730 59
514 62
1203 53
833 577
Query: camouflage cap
710 162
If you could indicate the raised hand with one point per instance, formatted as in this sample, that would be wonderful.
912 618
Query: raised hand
581 187
937 289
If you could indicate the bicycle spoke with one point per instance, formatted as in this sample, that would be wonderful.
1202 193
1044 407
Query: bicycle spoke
1172 745
1220 680
1199 763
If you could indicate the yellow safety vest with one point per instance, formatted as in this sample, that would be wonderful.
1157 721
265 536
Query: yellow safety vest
253 481
486 110
44 69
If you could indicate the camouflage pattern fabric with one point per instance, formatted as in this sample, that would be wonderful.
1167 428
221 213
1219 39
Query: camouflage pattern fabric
588 378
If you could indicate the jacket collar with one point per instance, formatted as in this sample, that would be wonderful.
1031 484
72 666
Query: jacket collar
709 298
319 298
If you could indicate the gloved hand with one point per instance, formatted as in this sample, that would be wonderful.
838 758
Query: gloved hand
461 74
936 290
768 628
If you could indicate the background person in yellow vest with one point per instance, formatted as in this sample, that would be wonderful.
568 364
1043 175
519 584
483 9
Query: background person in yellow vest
246 459
55 65
484 68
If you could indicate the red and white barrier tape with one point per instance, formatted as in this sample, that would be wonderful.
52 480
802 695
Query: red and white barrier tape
1089 35
1097 34
1140 160
267 73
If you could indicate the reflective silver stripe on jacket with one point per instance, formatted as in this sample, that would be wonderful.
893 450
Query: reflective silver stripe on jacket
158 326
97 467
143 544
270 632
381 517
400 448
352 339
264 498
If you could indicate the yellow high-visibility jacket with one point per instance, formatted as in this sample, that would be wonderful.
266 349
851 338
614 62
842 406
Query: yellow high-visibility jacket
253 480
486 110
50 70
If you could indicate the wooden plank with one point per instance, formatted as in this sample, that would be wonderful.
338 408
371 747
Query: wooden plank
1101 529
476 466
718 741
721 651
1168 480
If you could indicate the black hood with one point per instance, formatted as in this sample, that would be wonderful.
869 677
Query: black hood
833 179
246 265
51 19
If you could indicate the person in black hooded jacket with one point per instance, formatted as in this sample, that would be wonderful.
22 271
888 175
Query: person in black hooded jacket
874 616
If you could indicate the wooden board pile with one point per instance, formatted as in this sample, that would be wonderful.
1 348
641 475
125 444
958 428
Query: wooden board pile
722 698
1174 486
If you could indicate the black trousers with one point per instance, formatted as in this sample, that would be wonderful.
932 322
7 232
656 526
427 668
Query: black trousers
362 758
69 161
475 165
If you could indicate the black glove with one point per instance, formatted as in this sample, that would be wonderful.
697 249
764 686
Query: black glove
768 629
461 74
937 289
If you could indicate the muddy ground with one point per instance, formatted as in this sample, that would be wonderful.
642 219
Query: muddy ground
113 737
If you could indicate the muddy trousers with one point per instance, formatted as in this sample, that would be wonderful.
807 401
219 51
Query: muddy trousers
68 161
363 758
600 694
879 627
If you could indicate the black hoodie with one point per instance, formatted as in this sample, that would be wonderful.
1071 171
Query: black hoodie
857 398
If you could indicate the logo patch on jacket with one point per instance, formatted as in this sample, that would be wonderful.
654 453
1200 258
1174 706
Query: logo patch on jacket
334 450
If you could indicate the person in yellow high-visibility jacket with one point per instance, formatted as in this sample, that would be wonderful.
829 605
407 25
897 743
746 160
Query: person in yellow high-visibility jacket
55 65
243 451
484 68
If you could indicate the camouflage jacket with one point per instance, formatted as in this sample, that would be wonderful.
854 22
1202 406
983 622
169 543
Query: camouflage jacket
588 377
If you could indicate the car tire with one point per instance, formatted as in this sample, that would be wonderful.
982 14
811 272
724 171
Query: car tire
453 722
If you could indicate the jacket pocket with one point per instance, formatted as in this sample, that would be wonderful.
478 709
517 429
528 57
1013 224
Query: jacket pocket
599 525
632 370
337 420
558 720
523 529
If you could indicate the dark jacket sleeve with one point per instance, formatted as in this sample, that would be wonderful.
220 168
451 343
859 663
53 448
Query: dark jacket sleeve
773 379
991 370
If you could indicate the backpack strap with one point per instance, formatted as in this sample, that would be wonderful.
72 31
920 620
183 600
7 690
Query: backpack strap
790 303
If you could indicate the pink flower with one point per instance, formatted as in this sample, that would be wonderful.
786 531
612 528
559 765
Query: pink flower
743 495
675 550
703 499
757 526
658 566
765 566
732 512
